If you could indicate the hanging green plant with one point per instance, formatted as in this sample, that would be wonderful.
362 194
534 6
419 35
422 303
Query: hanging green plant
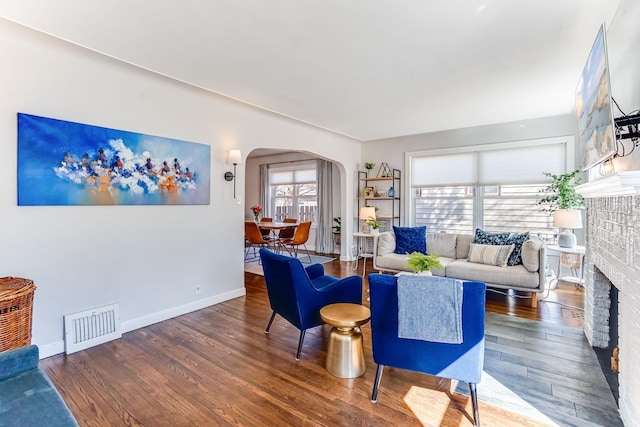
561 192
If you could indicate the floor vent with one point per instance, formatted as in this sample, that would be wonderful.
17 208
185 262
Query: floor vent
91 327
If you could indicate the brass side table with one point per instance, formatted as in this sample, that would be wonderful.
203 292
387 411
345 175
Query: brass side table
345 354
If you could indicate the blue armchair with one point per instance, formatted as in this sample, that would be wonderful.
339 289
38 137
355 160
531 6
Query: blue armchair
463 362
297 293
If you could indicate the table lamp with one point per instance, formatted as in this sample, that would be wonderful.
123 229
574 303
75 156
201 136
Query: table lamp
567 219
367 212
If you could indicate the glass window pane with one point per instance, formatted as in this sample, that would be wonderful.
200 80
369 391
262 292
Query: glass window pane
515 209
444 209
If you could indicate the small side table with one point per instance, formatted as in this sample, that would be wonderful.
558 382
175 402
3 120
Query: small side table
576 250
345 354
362 252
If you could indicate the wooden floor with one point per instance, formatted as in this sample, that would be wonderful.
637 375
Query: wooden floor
217 367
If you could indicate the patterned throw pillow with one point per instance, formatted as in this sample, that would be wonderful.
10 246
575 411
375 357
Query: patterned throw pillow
483 238
410 239
490 254
517 239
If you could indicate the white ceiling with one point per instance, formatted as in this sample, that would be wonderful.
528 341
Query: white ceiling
368 69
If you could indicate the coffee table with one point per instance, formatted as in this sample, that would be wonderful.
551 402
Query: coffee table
345 354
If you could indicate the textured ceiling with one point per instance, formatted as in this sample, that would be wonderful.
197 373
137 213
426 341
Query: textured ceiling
368 69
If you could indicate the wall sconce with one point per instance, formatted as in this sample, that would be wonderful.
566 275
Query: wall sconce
235 158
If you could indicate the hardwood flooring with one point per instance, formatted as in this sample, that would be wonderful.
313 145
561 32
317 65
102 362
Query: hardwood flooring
216 367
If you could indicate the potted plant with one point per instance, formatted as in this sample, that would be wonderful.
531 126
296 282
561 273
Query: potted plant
368 166
421 263
374 224
565 203
561 192
336 230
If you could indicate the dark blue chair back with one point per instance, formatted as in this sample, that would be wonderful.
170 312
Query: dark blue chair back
463 362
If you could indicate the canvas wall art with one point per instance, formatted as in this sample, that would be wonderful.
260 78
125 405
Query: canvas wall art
68 163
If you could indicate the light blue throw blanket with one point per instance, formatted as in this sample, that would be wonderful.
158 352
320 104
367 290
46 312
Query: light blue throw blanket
430 308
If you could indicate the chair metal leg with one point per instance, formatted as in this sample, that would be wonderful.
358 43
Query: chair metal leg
474 401
273 315
305 248
376 384
300 344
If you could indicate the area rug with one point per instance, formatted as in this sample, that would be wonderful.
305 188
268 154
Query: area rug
255 267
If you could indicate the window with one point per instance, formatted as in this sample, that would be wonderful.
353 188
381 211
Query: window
293 192
495 187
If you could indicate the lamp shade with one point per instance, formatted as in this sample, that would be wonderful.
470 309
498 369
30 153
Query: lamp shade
235 157
367 212
567 218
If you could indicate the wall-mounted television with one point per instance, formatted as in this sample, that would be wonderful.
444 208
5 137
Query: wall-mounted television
596 126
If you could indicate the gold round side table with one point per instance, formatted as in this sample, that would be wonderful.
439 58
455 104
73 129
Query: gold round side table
345 354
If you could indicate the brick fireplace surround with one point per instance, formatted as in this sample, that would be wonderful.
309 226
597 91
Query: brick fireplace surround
613 258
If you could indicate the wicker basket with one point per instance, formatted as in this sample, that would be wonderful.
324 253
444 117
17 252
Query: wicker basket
16 309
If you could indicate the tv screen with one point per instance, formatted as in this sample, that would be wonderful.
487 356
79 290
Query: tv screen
596 130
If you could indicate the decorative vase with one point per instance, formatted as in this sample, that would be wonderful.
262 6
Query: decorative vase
256 217
391 192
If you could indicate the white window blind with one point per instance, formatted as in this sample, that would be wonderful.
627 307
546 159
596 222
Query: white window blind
520 165
493 166
295 176
447 169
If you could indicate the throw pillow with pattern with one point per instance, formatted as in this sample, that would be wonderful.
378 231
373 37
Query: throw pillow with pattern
483 238
516 239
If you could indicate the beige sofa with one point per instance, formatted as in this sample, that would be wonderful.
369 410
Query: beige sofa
453 250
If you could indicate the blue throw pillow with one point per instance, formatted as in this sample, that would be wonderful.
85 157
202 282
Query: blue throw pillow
517 239
483 238
410 239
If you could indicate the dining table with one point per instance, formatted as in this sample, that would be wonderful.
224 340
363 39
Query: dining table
275 226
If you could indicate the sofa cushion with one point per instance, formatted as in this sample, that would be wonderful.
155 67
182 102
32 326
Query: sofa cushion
386 243
490 254
442 244
484 238
510 276
410 239
463 243
531 254
517 239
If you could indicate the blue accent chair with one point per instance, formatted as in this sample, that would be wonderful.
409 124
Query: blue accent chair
297 293
463 362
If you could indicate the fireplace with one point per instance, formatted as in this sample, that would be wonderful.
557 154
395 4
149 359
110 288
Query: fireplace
612 281
608 356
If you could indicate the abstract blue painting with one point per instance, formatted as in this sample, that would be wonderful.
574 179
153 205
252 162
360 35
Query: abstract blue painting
67 163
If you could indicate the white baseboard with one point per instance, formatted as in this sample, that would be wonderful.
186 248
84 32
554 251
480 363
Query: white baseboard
57 347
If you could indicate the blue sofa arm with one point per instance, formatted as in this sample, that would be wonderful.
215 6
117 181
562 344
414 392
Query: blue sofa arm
27 395
314 271
14 362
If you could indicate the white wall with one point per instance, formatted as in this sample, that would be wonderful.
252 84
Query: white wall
147 258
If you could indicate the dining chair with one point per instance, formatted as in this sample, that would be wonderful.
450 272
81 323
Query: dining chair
287 233
254 238
299 238
297 293
266 233
462 362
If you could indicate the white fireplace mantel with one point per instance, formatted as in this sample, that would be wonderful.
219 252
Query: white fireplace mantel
625 183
